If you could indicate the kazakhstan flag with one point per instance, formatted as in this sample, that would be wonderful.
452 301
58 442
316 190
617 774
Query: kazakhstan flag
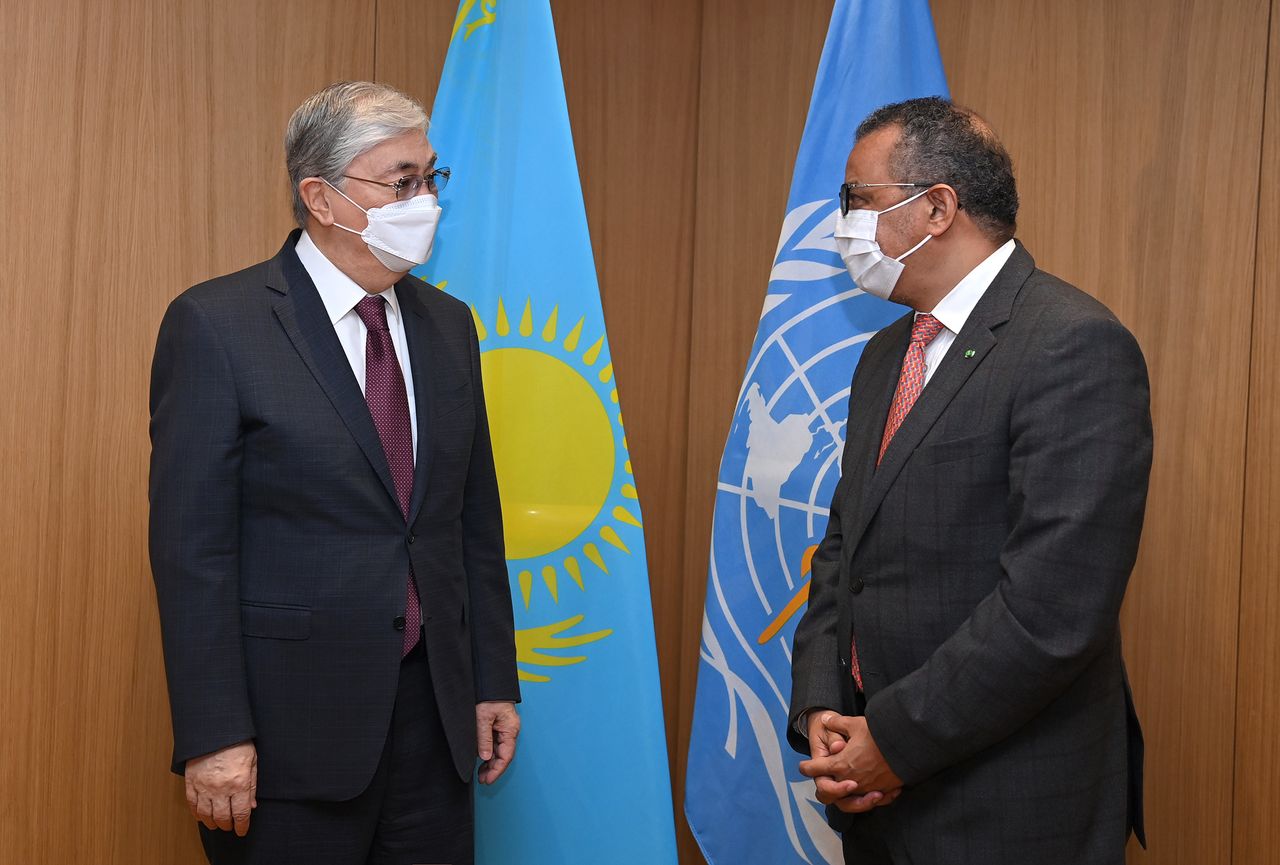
589 783
745 799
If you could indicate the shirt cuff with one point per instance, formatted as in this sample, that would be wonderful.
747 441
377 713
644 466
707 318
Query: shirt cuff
802 720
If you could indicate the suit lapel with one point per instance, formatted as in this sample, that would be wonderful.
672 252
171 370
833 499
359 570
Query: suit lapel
306 322
423 339
971 346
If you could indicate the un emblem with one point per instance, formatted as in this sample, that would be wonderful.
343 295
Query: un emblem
780 469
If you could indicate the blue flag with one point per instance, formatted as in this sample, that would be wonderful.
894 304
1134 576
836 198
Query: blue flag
745 799
589 783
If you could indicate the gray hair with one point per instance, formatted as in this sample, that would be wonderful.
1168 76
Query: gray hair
332 127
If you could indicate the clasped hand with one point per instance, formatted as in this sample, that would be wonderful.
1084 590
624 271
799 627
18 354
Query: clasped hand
847 767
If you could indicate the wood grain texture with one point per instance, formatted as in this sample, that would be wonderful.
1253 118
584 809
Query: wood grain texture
1256 835
1135 133
759 59
143 153
409 46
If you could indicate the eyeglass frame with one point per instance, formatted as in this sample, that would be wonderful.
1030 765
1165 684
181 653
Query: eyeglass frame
846 188
429 179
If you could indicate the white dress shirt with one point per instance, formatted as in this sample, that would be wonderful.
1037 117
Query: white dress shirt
340 295
954 309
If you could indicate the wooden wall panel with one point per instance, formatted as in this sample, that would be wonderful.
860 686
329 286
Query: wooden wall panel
631 79
410 44
1135 132
142 152
1257 757
759 59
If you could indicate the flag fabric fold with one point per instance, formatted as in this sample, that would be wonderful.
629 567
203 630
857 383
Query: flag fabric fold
589 783
745 799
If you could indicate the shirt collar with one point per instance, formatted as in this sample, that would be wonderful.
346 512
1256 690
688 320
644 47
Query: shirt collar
954 309
338 291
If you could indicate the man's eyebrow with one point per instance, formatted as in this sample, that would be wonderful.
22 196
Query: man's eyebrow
409 165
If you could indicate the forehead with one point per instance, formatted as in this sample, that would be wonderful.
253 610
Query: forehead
870 157
408 153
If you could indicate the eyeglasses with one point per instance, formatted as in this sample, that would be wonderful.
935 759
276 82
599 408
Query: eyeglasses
847 192
411 184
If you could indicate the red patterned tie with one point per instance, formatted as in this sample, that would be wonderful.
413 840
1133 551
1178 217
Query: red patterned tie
910 383
911 379
388 401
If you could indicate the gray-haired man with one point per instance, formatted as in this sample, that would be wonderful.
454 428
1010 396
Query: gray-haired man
326 537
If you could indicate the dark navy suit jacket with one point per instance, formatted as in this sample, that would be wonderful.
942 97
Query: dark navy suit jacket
278 548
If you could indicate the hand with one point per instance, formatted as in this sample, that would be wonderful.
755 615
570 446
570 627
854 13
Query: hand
865 802
497 726
222 787
823 742
858 760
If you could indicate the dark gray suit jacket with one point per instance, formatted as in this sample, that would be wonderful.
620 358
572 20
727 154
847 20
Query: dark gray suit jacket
983 565
278 548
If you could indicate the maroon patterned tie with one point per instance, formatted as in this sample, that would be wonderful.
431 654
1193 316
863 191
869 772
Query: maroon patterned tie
385 393
910 384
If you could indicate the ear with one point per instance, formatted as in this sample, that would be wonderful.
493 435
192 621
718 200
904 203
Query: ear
944 204
315 195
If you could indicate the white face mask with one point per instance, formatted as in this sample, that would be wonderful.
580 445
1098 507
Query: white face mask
399 234
855 235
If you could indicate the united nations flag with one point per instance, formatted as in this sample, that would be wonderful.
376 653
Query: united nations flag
745 798
513 244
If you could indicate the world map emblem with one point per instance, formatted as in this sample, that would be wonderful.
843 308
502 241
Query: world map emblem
780 468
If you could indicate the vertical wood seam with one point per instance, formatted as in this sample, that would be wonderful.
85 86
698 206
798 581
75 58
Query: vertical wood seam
376 76
680 758
1267 83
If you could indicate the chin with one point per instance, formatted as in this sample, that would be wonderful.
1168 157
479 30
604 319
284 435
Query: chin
904 295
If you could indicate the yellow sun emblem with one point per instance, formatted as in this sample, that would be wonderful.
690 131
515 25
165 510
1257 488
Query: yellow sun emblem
560 452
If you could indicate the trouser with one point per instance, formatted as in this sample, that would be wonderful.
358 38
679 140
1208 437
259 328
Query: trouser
415 811
861 840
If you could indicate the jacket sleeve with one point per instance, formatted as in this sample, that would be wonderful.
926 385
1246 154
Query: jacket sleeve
493 647
815 672
815 668
1080 456
196 445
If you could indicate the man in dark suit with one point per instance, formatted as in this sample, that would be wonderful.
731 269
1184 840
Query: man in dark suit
958 680
326 537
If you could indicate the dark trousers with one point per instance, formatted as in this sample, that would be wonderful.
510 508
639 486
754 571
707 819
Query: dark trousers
862 843
415 811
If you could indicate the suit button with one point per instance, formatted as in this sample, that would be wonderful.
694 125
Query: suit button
857 586
412 538
398 623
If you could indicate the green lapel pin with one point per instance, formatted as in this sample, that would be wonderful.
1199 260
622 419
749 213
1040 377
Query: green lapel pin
970 353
